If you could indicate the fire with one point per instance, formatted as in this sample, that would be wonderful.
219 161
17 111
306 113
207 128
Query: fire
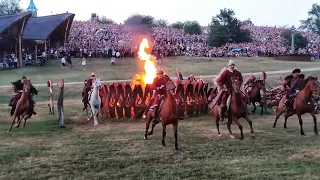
149 66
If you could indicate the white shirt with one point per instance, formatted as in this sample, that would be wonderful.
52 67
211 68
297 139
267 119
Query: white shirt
118 54
63 60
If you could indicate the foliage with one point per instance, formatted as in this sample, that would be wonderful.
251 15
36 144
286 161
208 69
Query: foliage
299 40
105 20
225 27
138 19
160 23
313 22
8 7
178 25
192 27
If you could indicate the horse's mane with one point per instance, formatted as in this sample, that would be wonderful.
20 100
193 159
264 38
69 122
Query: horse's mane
310 78
288 77
302 76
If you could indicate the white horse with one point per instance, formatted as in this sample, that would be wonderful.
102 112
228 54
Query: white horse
95 101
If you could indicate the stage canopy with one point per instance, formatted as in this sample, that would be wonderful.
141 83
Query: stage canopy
12 22
55 27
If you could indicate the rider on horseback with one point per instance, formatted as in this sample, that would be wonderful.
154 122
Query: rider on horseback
292 86
88 87
224 84
18 88
159 90
248 85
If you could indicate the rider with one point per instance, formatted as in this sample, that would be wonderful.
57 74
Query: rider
88 87
159 88
224 84
18 89
249 84
291 86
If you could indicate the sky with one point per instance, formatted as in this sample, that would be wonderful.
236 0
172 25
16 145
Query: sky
261 12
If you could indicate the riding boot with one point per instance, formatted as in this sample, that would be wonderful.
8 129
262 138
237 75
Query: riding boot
156 114
222 112
32 104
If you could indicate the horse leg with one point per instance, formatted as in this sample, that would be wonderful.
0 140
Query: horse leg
250 124
217 124
262 107
229 127
288 114
13 121
315 128
175 131
154 123
163 134
236 121
18 121
254 107
301 123
25 120
147 127
278 114
95 113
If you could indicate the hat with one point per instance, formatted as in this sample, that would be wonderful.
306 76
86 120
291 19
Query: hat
159 71
251 75
296 70
231 63
93 74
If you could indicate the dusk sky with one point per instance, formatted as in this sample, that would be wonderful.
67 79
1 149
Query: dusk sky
270 12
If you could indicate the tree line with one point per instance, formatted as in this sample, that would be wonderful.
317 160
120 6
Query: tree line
224 27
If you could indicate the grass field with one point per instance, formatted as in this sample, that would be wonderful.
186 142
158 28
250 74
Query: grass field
116 150
127 68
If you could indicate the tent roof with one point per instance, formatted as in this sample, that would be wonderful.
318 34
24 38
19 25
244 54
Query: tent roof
40 28
9 20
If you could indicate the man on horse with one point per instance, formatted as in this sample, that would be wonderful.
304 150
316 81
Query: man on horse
158 87
248 85
88 87
292 84
224 86
18 88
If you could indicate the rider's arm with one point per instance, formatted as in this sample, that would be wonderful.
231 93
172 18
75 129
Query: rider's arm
220 81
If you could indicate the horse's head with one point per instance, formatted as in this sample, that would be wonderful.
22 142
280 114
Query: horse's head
97 83
27 85
236 85
312 83
259 83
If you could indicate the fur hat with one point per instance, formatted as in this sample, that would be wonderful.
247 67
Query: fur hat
231 63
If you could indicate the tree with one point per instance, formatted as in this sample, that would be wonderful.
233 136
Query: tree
138 19
299 40
8 7
192 27
313 22
225 27
105 20
178 25
161 23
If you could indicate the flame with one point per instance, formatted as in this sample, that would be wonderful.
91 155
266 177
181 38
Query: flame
149 66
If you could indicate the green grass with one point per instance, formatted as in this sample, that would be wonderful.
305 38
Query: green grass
116 150
127 68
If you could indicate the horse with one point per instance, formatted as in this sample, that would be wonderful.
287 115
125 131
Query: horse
237 109
22 108
303 103
168 115
255 95
94 102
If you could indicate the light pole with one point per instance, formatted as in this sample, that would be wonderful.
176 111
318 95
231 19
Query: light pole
293 30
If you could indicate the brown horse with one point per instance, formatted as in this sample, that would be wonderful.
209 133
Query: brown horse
168 115
237 109
303 103
22 110
255 95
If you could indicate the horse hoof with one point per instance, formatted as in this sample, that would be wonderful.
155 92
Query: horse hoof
177 149
252 135
302 134
285 127
96 124
232 137
145 138
88 119
8 131
219 135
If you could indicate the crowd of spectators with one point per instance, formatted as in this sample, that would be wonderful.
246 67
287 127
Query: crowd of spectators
96 39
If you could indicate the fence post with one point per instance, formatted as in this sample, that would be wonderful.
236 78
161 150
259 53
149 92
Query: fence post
51 104
60 84
264 75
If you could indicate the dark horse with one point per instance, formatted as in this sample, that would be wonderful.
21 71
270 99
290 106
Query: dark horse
22 110
237 109
255 95
168 115
303 103
17 87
